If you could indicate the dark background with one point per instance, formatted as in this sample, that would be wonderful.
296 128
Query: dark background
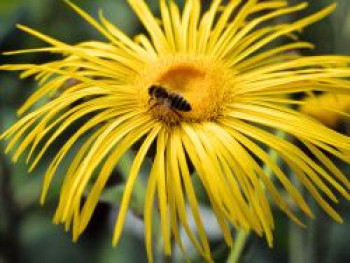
26 231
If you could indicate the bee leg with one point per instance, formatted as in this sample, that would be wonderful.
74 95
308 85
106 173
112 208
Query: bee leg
178 114
149 101
155 104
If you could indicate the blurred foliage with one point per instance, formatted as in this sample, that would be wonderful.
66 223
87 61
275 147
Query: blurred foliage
26 231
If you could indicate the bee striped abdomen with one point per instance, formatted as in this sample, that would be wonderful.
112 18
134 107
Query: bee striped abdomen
176 101
179 103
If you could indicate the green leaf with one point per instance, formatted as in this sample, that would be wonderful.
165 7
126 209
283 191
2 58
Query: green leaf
112 195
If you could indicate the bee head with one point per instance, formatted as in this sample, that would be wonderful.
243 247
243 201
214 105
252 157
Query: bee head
157 91
151 90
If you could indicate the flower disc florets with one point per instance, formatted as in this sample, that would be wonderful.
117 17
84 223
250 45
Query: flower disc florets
201 81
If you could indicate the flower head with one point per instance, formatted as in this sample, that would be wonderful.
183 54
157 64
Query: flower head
239 93
327 108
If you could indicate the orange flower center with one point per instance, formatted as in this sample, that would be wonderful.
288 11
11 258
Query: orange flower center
196 81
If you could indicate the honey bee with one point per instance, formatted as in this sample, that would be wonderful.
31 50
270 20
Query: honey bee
172 100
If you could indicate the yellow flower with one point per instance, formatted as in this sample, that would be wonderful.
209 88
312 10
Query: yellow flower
239 94
328 108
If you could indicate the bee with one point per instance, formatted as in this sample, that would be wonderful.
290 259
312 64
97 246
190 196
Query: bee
172 100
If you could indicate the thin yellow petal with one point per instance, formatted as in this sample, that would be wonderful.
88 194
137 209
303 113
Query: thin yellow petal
132 177
290 28
150 194
148 20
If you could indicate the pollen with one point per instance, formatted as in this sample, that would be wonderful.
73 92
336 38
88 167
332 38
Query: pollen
201 81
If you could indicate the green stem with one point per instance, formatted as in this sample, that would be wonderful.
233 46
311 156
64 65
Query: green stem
242 236
237 250
296 235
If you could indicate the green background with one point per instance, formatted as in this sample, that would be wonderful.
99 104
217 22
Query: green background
26 231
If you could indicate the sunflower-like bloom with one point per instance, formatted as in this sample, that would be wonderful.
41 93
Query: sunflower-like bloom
201 88
327 108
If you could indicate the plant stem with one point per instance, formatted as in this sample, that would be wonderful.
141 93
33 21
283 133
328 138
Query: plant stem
242 236
296 236
237 250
